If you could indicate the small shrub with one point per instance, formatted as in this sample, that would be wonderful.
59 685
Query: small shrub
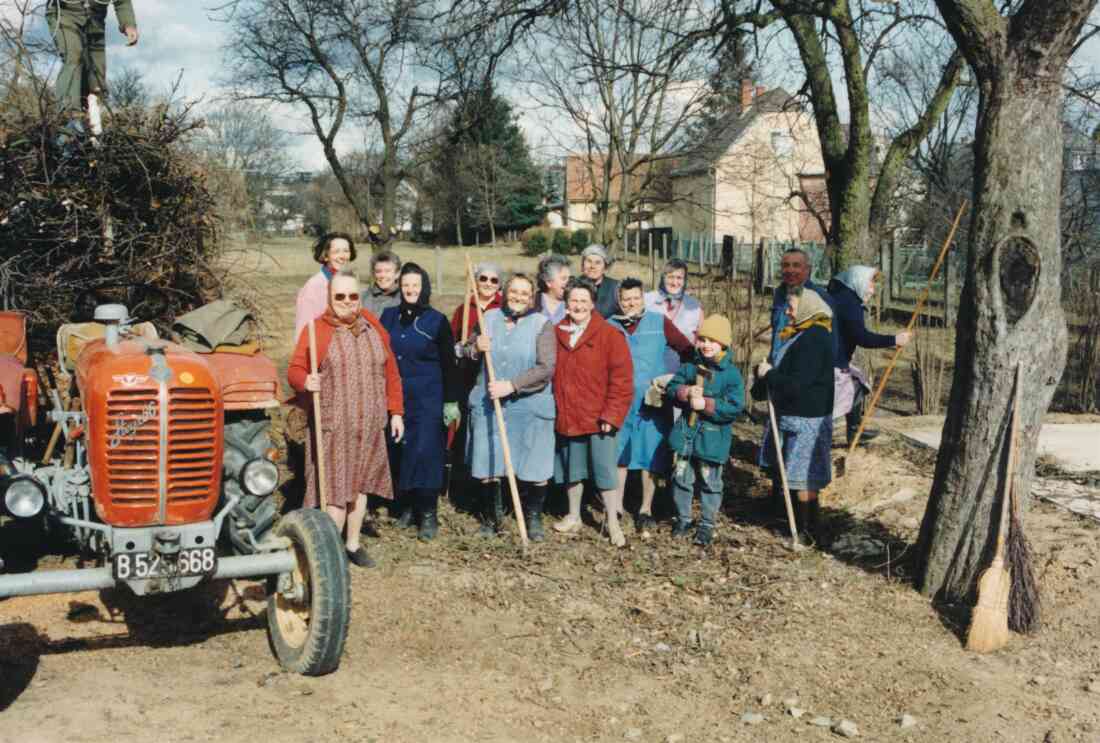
581 240
535 240
562 241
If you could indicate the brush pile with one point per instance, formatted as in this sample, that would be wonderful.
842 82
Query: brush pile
126 219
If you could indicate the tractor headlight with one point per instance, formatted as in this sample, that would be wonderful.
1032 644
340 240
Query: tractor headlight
24 497
260 476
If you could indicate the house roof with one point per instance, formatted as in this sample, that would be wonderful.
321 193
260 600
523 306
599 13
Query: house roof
717 141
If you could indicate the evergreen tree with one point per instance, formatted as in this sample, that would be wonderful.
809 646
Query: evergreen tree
485 176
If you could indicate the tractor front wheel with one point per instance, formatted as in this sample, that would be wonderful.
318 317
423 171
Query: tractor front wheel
307 620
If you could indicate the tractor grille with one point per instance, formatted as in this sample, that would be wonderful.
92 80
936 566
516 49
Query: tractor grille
134 453
191 436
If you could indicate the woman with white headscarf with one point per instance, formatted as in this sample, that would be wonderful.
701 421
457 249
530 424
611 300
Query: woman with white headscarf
849 292
799 383
671 299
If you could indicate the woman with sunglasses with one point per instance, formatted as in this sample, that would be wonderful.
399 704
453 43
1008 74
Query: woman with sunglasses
424 346
487 296
523 349
358 380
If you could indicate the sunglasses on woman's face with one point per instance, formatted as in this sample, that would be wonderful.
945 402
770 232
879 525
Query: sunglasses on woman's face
488 280
340 297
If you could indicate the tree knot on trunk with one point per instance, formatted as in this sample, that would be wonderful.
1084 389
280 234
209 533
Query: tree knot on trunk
1020 264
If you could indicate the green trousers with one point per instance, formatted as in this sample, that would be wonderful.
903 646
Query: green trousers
80 34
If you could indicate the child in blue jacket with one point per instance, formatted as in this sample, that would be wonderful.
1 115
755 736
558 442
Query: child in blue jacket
710 392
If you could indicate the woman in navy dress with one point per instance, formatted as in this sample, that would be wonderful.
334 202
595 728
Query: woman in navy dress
423 343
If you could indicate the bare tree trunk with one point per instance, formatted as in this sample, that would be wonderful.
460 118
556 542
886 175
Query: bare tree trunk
1010 312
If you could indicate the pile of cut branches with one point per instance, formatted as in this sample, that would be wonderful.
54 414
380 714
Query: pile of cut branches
127 218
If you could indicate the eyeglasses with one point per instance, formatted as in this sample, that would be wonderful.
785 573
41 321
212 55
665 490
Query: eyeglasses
488 280
340 297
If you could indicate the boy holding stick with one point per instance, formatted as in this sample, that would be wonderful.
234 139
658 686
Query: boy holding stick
712 394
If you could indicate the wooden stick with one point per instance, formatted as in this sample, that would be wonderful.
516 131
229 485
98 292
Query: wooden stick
471 291
702 376
318 437
516 505
783 475
912 321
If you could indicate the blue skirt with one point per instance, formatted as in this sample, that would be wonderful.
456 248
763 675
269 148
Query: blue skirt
807 446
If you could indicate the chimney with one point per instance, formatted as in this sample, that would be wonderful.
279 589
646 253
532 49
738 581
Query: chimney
746 94
760 90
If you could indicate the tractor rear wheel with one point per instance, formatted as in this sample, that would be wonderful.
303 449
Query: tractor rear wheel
308 624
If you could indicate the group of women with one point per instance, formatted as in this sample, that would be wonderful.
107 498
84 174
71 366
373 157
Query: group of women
577 361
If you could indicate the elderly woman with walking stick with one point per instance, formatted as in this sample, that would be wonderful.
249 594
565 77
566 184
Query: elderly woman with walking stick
523 348
799 383
357 379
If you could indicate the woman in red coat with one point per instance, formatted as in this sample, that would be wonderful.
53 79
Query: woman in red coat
593 390
360 387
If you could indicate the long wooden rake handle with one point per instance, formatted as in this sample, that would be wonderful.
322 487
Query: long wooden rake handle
912 322
783 474
517 507
322 483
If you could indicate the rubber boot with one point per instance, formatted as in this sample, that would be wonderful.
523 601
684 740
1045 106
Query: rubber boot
492 509
806 518
533 501
429 517
855 417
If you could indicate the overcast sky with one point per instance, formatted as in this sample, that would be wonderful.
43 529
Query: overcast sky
181 39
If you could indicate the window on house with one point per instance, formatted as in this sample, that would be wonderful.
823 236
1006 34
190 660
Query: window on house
782 144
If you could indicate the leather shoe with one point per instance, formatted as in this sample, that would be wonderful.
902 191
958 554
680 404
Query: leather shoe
361 558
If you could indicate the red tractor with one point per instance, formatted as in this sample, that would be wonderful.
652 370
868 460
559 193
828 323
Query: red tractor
167 477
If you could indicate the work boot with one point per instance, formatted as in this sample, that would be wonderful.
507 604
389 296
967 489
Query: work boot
429 518
429 526
532 512
704 535
492 509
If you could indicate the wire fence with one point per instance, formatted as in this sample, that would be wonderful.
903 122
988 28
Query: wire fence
906 267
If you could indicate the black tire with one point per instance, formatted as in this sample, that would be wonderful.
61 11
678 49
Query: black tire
308 635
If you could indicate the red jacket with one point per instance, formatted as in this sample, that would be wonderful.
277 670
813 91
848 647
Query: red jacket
298 370
471 310
594 381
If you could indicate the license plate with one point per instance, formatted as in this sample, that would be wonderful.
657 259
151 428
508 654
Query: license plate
142 565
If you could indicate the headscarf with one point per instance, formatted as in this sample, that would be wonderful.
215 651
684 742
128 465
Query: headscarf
673 265
629 321
812 310
859 279
411 311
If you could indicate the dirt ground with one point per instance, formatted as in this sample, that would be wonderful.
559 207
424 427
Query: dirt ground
467 640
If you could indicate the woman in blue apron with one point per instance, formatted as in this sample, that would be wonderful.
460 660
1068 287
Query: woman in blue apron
523 348
422 341
642 440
